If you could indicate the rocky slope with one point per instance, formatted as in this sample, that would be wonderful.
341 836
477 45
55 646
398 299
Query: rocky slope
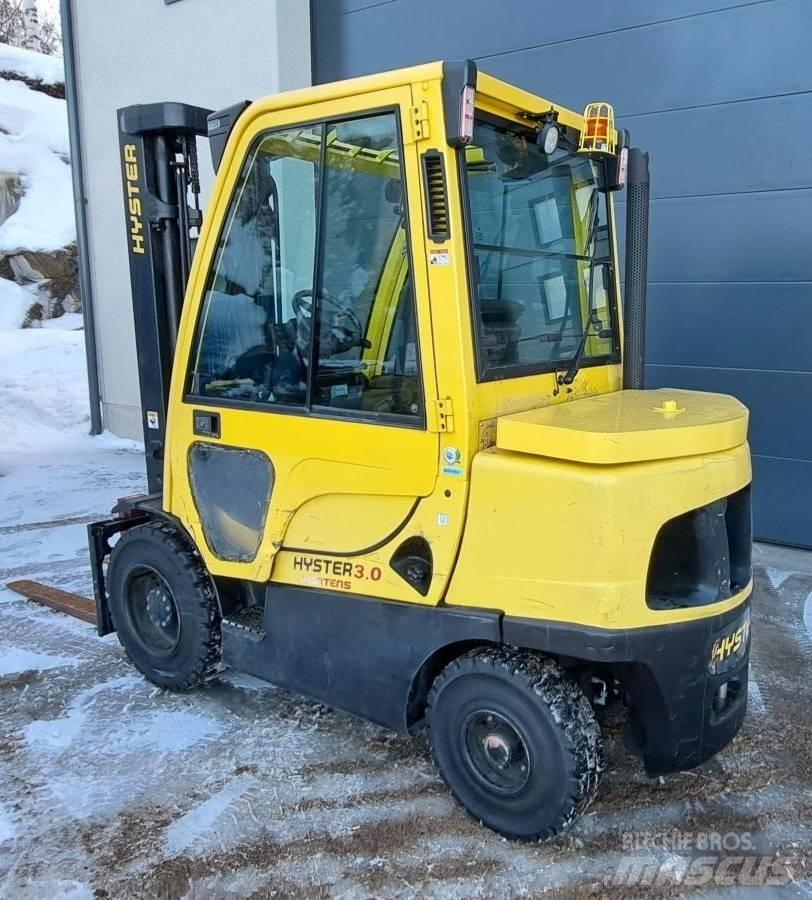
38 268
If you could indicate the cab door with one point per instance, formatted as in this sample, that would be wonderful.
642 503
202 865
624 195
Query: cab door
305 365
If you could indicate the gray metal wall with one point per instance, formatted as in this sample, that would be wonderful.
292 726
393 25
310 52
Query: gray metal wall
141 53
720 92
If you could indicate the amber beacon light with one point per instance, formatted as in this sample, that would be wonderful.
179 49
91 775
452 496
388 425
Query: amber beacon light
598 135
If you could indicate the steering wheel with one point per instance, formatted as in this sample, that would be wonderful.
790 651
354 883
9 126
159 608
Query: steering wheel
302 304
341 314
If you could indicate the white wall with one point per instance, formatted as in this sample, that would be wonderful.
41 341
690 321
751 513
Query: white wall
206 52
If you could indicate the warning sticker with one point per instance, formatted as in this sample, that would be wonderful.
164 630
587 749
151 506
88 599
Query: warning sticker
439 257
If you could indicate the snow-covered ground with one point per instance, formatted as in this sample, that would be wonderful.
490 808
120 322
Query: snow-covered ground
110 788
50 468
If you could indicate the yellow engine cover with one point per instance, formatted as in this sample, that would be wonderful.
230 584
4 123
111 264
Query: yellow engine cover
571 542
627 426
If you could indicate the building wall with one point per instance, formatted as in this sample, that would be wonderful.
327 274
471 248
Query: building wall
720 92
203 52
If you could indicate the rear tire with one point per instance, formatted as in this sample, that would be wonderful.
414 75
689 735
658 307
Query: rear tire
164 607
516 741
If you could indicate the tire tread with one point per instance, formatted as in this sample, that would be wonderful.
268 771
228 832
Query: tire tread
569 707
207 661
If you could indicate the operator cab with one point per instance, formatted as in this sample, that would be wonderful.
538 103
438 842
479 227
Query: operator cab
542 270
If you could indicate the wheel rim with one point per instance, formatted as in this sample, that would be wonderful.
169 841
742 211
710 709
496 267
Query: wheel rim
153 611
495 751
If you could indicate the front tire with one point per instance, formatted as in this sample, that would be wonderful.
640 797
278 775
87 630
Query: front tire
516 741
164 607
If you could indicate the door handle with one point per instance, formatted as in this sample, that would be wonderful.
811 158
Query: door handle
206 424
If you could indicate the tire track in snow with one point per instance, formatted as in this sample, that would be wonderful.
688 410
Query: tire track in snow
53 523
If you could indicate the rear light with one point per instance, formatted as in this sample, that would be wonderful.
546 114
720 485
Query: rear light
467 114
622 168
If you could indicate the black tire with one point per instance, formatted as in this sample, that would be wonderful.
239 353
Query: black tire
495 710
164 607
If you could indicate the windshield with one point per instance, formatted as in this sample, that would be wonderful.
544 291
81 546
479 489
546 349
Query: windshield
542 258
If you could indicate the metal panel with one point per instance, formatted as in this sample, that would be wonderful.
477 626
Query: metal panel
358 653
686 163
782 492
733 54
720 92
733 237
356 37
731 325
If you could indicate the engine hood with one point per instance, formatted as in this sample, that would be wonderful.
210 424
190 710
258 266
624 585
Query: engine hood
627 426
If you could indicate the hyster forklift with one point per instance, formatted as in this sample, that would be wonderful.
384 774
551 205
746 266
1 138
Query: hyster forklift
398 459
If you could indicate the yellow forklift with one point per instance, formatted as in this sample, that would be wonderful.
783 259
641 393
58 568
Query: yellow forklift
399 454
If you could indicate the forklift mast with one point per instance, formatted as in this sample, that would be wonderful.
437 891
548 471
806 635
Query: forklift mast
160 177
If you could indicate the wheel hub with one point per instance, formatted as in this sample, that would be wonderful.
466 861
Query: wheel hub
159 607
496 751
153 612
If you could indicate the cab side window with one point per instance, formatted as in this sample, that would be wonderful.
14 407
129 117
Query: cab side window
313 264
367 338
254 332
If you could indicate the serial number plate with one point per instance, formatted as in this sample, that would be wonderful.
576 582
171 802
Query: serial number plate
729 648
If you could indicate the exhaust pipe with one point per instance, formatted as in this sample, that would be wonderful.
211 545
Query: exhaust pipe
634 307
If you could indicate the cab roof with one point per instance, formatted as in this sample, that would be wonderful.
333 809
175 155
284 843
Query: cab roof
488 87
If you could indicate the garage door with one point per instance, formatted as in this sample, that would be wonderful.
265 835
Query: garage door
721 94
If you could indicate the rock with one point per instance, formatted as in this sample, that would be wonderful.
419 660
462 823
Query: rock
36 84
5 269
34 316
57 296
55 274
11 190
37 265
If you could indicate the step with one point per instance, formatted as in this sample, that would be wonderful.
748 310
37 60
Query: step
249 622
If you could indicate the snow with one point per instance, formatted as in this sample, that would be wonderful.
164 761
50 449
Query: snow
14 660
755 700
58 889
7 830
777 576
198 826
44 409
50 467
50 735
66 322
44 412
808 615
15 301
34 116
36 147
47 69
